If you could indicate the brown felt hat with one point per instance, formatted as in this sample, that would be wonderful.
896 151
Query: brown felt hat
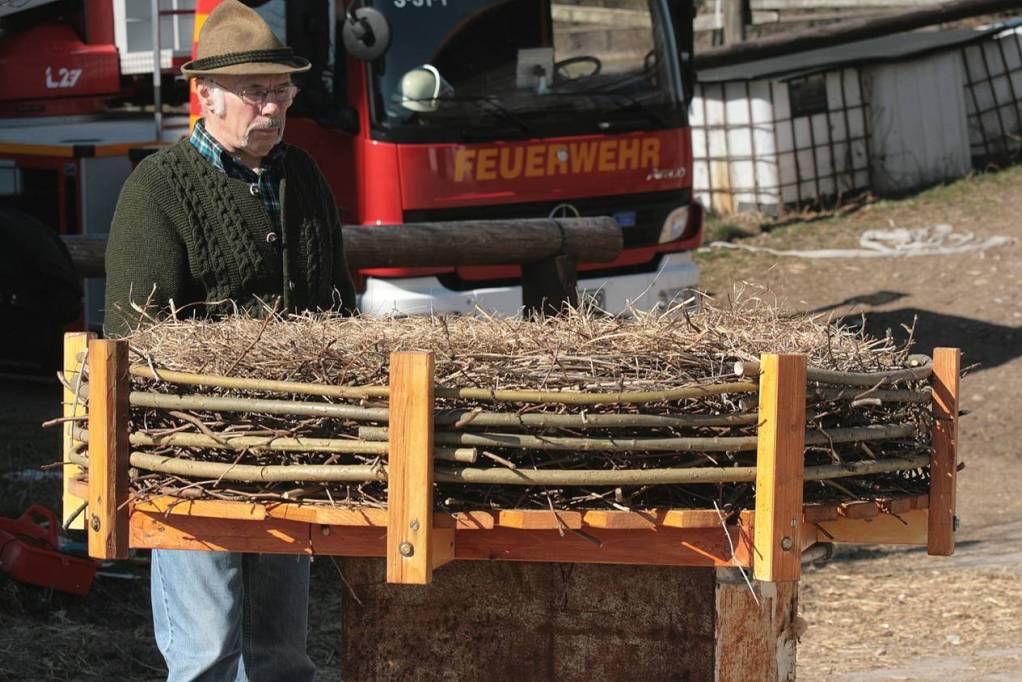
236 41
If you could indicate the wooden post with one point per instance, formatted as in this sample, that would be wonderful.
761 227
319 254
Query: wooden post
737 14
779 467
76 345
549 284
109 385
944 453
756 629
414 546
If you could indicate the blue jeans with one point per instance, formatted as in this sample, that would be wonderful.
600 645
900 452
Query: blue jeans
223 617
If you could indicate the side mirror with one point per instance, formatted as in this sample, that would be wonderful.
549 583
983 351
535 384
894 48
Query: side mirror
366 33
422 88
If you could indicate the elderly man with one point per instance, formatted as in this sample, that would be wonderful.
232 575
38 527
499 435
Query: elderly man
230 217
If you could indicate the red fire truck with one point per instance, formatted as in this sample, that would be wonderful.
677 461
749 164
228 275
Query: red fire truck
416 110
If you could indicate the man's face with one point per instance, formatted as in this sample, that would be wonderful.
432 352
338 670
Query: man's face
254 109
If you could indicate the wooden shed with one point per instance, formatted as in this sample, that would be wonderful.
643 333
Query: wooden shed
886 115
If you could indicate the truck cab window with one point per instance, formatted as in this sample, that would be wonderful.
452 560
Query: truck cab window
524 68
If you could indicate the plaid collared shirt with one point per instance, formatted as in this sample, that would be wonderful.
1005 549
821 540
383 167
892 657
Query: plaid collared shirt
266 182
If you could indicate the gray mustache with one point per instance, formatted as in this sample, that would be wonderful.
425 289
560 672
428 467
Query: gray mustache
266 124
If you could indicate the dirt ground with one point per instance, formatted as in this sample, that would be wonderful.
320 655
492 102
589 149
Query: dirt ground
872 613
888 614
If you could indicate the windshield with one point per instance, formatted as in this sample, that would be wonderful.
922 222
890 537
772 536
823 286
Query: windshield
468 70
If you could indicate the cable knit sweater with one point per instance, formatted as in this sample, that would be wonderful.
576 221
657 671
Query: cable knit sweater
184 232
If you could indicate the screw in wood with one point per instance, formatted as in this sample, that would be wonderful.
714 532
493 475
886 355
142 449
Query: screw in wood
406 549
414 525
325 530
95 523
787 543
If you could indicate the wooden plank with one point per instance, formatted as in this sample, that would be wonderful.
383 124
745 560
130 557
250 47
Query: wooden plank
410 547
222 509
864 509
623 520
328 515
109 385
691 518
75 345
779 466
468 520
270 536
944 455
812 513
538 519
909 528
665 547
79 487
320 515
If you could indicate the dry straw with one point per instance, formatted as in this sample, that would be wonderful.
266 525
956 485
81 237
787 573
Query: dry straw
532 381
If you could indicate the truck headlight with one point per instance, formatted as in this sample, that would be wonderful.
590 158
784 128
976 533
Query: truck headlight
674 226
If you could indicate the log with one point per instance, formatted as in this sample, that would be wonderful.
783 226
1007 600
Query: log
848 31
454 418
355 473
864 379
851 434
239 442
368 392
447 244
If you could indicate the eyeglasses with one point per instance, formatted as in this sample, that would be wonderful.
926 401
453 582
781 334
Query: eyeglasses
258 97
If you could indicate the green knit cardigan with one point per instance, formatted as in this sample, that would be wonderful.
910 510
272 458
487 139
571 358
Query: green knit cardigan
187 236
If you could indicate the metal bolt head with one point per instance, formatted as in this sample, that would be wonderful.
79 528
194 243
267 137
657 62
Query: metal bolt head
406 549
414 525
95 523
787 543
324 530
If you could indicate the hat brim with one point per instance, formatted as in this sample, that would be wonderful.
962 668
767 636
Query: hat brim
292 65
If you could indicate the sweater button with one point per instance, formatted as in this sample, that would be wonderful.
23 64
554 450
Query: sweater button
271 237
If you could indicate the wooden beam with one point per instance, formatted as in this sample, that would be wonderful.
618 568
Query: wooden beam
414 546
944 452
848 31
755 632
271 536
696 547
736 15
109 385
539 519
779 466
76 345
884 529
549 286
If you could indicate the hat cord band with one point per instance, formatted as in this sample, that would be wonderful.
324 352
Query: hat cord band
231 59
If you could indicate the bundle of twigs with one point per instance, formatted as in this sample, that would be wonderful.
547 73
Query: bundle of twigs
575 411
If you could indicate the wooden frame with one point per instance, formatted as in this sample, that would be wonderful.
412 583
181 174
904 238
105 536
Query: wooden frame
415 540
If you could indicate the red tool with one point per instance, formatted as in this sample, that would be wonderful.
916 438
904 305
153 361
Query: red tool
29 552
